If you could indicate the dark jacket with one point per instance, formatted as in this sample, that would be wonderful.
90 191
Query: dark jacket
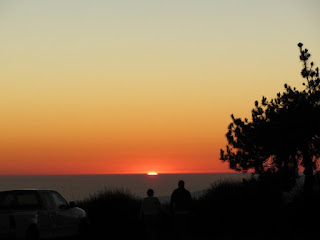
180 200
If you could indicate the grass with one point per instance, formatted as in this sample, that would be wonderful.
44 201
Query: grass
228 208
112 212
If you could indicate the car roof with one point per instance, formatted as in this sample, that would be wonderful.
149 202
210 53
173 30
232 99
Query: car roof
27 189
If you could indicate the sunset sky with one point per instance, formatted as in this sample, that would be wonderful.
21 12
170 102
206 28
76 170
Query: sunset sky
94 87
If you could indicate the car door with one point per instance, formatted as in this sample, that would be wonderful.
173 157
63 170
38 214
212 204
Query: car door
66 222
47 216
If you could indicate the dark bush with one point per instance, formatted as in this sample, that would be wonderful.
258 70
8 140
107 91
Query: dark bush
113 213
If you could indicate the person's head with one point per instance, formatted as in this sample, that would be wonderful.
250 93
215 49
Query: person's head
181 184
150 192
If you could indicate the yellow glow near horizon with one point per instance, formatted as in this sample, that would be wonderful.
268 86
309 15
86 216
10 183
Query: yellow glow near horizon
152 174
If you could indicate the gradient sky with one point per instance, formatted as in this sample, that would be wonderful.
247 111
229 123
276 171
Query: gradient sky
92 87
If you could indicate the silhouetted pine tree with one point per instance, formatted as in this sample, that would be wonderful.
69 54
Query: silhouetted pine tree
283 134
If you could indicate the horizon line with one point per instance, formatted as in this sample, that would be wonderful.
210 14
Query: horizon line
119 173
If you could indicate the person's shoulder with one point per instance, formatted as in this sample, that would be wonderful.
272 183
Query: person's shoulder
155 199
175 191
187 191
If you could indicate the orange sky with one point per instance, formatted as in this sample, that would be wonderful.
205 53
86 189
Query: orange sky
139 86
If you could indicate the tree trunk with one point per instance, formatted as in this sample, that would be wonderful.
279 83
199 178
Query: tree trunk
308 187
308 174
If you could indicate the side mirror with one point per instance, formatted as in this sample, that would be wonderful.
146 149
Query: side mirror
63 206
72 204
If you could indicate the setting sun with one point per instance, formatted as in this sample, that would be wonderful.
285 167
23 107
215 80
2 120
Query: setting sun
152 174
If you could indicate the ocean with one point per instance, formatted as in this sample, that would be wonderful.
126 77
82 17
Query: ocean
79 187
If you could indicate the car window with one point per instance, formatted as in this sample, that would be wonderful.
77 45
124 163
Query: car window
28 200
19 200
7 200
58 199
46 199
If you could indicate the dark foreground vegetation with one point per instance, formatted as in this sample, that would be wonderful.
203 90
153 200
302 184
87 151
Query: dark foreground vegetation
251 209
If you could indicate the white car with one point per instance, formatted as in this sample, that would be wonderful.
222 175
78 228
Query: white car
39 214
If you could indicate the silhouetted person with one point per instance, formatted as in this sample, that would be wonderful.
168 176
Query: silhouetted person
180 199
180 206
150 214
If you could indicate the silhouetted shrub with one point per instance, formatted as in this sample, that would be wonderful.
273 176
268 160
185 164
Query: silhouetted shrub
113 213
237 207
